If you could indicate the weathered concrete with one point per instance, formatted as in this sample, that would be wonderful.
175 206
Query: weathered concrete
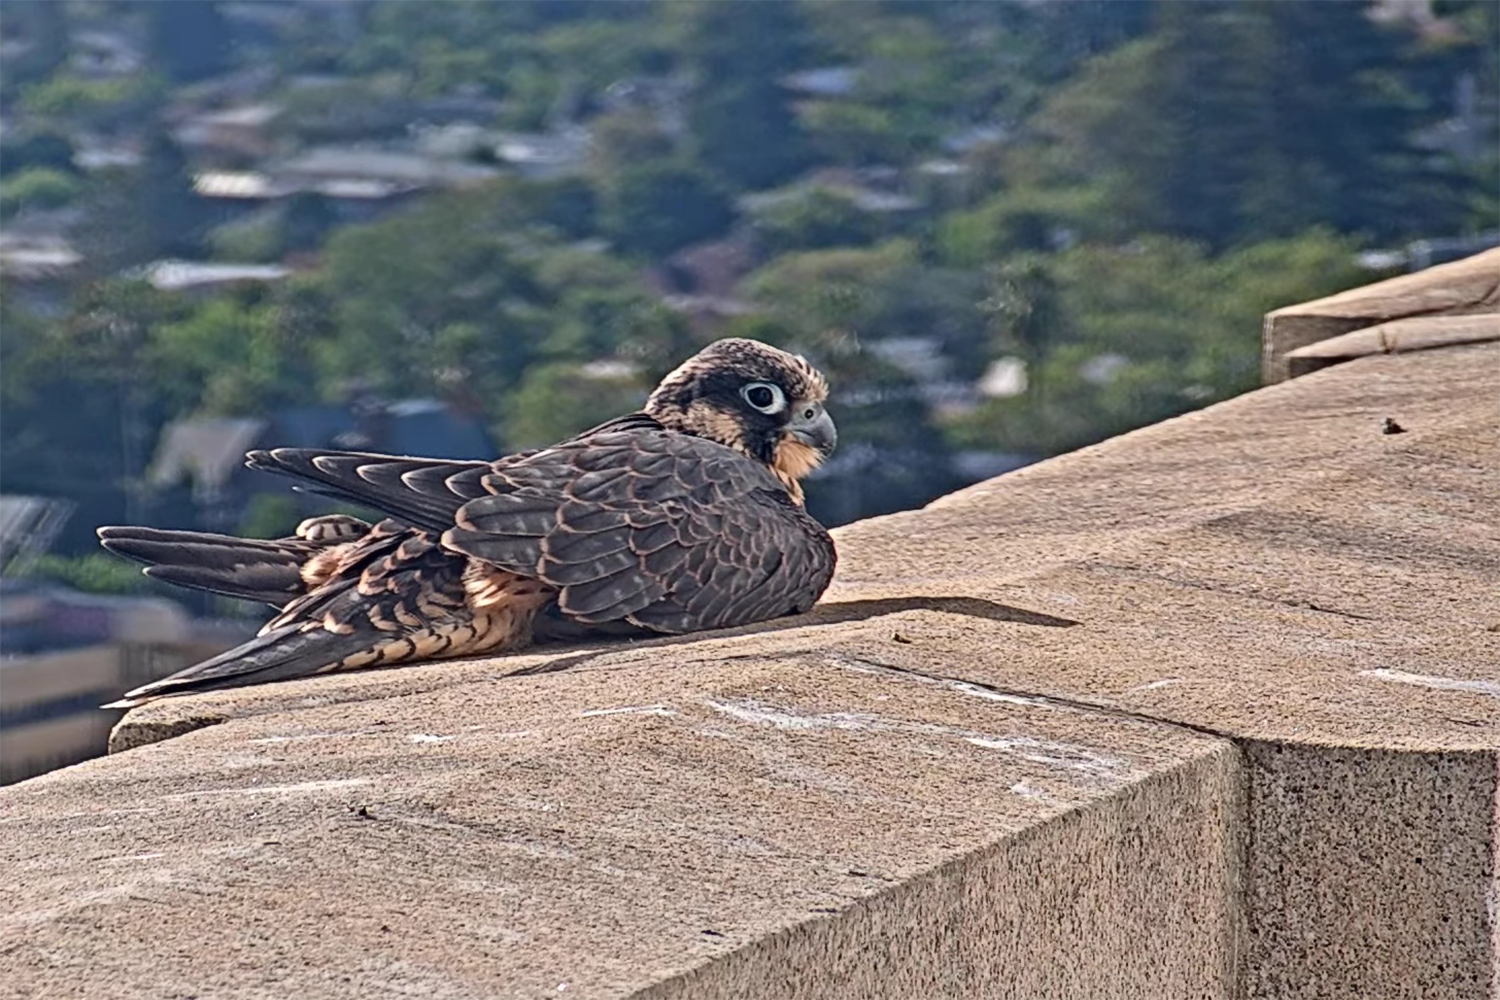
1211 709
829 827
1462 287
1422 333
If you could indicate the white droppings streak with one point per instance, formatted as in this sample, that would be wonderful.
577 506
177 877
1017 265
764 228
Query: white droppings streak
311 736
1024 790
1050 753
304 786
427 738
765 715
950 683
1154 685
1491 688
628 710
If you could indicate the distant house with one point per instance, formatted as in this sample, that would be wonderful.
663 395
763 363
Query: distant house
352 199
240 132
95 152
824 81
208 276
37 270
262 23
976 137
712 268
103 55
206 454
920 357
346 165
699 282
546 155
871 189
664 98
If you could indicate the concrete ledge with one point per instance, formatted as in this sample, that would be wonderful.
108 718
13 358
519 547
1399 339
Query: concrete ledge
1463 287
1207 710
1424 333
728 823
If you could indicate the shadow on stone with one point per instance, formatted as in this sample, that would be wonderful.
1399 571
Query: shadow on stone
832 613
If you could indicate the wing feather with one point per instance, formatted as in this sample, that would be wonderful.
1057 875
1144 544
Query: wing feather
669 531
630 521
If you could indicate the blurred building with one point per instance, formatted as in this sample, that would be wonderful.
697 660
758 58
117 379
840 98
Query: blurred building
63 654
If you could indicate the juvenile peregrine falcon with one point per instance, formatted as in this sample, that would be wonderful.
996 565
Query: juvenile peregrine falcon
686 515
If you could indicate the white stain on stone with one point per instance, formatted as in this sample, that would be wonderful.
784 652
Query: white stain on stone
427 738
1069 758
950 683
976 691
1155 685
760 714
1491 688
1026 791
311 736
628 710
1058 755
300 787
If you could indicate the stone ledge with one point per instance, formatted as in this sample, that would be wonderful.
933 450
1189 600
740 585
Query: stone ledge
787 825
1459 288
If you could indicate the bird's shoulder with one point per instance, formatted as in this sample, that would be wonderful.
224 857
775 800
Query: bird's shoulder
634 449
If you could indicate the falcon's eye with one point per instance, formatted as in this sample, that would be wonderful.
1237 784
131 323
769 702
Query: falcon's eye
766 397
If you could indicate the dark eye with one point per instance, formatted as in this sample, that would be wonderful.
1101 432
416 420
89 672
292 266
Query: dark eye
766 397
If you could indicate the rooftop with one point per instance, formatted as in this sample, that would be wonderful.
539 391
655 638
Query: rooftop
1208 709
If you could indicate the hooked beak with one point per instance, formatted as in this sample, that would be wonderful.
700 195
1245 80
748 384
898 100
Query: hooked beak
814 427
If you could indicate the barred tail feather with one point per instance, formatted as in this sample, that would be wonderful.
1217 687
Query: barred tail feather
281 654
247 568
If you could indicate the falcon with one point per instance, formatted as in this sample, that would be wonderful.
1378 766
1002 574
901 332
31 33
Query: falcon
684 516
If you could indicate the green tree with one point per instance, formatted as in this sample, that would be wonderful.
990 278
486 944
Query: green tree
656 208
559 399
815 219
38 187
189 39
739 114
1118 337
1344 111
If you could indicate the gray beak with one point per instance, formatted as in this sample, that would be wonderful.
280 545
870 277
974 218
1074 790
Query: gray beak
812 425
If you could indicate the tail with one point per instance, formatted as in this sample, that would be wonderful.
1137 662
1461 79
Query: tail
248 568
281 654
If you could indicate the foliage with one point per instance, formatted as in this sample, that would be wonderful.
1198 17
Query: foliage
1111 345
556 400
740 115
814 220
37 187
1111 191
656 208
92 573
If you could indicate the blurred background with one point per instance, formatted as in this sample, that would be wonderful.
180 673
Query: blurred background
1004 229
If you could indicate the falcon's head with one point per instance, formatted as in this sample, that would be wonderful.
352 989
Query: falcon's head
752 397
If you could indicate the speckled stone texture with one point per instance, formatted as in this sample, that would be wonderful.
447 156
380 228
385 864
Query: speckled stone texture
722 824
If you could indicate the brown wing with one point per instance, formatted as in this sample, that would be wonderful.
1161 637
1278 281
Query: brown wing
629 521
667 531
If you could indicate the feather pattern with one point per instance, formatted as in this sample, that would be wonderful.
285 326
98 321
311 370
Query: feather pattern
676 520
